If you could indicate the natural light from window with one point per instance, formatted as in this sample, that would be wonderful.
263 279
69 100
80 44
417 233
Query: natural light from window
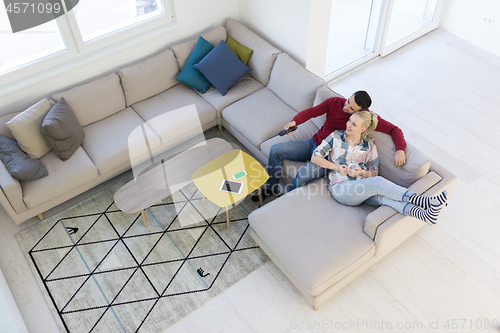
90 27
408 16
97 18
27 46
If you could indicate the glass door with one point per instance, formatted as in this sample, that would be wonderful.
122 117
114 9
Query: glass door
362 30
407 20
353 32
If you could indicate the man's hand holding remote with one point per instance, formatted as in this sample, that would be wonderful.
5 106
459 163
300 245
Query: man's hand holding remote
290 124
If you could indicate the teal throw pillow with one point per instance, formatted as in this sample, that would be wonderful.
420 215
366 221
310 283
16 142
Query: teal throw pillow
191 76
222 67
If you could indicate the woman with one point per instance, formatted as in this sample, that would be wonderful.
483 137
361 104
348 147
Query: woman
353 179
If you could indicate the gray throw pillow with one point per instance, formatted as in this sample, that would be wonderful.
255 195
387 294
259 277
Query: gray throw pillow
17 163
61 130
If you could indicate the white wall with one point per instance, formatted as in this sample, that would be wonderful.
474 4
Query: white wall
284 23
317 43
465 18
194 16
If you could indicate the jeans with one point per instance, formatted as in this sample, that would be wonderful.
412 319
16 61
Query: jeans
293 151
373 191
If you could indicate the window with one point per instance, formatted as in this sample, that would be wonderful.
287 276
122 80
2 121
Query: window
27 46
97 18
353 31
89 26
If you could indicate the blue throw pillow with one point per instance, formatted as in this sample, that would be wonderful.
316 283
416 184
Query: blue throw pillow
222 67
191 76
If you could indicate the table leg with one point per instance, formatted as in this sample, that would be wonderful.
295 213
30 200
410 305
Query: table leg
261 201
144 218
227 216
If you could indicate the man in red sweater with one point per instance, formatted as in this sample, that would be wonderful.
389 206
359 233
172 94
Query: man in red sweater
338 110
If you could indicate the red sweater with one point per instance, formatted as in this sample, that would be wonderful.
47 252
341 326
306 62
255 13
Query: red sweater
336 119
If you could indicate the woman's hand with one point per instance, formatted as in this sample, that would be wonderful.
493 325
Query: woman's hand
356 172
343 169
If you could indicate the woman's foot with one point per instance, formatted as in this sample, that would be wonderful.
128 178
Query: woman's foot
425 202
430 215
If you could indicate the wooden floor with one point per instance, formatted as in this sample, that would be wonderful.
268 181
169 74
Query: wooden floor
445 96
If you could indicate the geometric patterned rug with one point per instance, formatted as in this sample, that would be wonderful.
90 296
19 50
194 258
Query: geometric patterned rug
101 270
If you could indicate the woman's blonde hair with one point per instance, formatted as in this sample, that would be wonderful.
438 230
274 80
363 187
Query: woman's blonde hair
370 121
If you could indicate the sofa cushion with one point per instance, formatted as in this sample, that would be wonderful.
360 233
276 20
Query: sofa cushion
26 128
259 116
191 75
183 50
62 131
291 82
149 77
264 54
316 239
241 51
222 67
17 163
174 98
417 164
244 87
63 177
176 127
109 149
95 100
4 130
322 94
12 189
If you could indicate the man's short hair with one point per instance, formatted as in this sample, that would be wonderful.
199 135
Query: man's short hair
363 100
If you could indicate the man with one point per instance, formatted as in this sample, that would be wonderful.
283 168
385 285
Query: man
338 110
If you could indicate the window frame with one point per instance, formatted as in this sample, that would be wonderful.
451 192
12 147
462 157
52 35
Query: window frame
78 52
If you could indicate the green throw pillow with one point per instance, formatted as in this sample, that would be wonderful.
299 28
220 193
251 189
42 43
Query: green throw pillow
241 51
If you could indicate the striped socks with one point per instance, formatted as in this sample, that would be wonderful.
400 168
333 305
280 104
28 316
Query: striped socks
430 215
425 202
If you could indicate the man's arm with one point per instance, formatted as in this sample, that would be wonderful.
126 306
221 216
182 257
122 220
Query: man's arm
316 111
397 137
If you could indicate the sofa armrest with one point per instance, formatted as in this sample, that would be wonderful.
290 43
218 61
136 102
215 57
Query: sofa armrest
12 190
383 213
394 230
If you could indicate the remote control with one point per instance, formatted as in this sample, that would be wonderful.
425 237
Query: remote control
290 129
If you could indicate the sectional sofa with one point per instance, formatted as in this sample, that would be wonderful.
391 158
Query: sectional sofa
319 244
146 96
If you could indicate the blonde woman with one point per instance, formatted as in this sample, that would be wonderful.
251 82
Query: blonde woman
353 162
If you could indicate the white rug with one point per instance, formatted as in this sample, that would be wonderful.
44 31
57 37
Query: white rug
101 270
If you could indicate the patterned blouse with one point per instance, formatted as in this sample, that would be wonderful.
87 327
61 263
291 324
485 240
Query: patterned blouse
363 155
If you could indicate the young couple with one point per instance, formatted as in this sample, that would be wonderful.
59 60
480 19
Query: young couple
343 147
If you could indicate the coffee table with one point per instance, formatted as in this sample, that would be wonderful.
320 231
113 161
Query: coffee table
209 177
167 178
